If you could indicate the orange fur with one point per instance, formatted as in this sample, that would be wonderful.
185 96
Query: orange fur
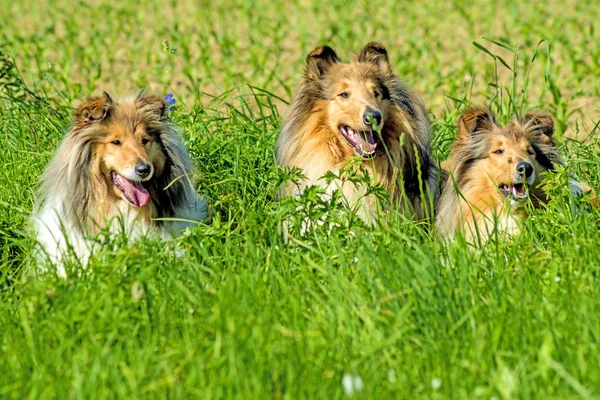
335 97
122 160
130 126
483 165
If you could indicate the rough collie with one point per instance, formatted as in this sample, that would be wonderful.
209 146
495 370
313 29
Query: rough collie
493 170
359 109
121 167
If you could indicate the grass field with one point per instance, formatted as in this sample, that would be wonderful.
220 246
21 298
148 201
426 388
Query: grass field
241 314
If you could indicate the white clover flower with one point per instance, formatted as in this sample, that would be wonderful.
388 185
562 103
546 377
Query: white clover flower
352 384
137 291
392 376
436 383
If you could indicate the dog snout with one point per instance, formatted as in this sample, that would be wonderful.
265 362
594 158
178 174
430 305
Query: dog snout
525 169
371 115
143 169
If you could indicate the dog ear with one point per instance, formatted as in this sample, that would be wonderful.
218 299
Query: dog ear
154 104
93 110
375 53
474 120
540 121
319 61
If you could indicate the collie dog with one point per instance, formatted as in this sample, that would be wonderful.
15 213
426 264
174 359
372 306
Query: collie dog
121 167
359 109
494 170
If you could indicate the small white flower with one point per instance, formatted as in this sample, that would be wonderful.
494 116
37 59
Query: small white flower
358 384
436 383
392 376
355 260
276 247
352 384
557 279
137 291
348 385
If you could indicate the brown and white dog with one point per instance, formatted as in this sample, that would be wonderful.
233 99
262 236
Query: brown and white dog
493 170
123 167
359 109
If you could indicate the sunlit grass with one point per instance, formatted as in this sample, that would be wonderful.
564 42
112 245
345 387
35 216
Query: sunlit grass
242 313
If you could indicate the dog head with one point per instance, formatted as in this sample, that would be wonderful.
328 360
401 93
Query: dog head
127 147
356 95
509 159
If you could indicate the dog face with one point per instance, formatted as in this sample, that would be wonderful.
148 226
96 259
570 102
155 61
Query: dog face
512 165
355 95
128 151
507 160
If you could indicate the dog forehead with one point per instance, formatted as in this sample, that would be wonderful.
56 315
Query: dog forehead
356 72
118 128
128 121
512 142
517 131
126 128
496 139
508 135
351 83
518 137
140 130
524 140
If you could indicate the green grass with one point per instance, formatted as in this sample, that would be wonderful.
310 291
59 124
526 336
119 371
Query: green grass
242 314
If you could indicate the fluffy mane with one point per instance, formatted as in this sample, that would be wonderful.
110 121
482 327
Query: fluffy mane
307 139
74 199
469 199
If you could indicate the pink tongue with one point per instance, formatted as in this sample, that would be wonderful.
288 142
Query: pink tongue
134 191
370 141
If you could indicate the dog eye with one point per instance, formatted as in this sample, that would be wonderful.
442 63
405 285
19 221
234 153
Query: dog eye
116 142
377 94
530 152
499 151
145 141
344 95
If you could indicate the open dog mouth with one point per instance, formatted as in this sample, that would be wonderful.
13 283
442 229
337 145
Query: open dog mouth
133 191
518 191
362 142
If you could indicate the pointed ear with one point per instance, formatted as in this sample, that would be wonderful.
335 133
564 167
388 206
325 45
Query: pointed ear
540 121
477 119
154 104
375 53
93 110
319 61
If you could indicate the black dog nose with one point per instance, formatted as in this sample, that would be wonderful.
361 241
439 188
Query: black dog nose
524 169
372 115
143 170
